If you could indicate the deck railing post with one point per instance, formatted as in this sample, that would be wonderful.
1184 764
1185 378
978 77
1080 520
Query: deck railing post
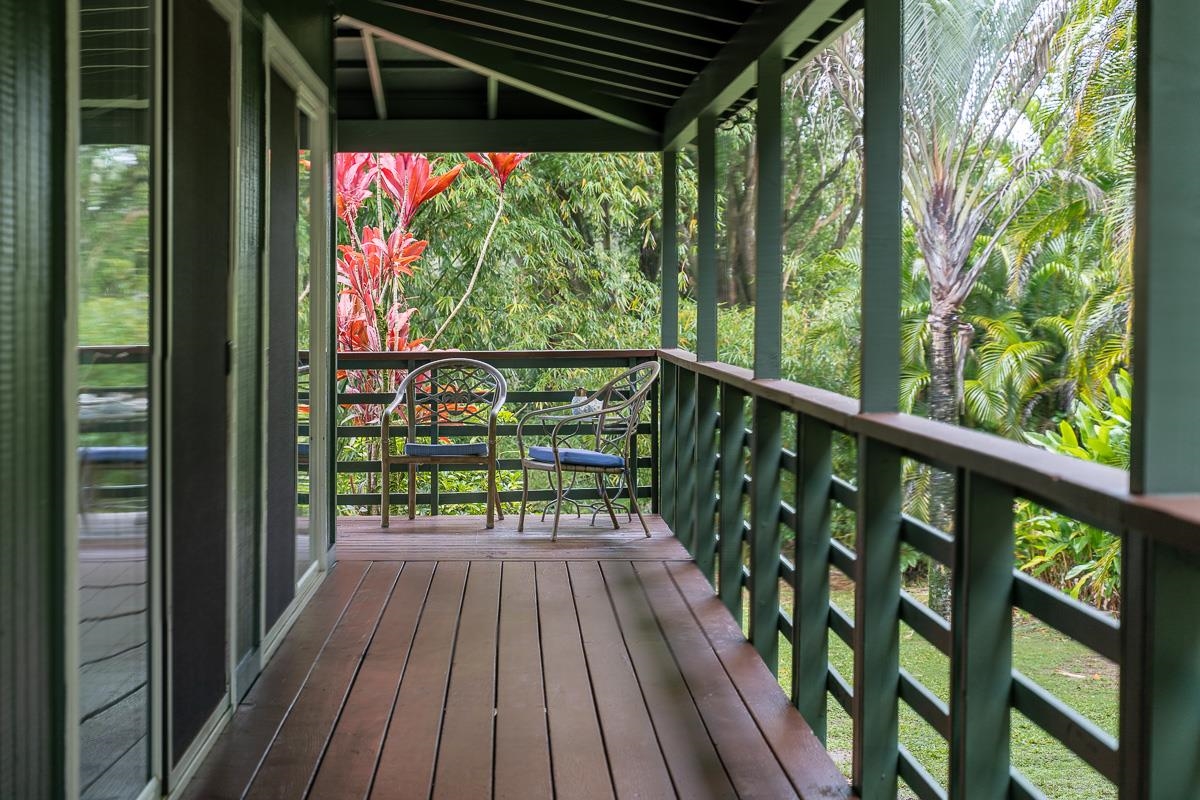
766 451
731 516
705 539
1160 643
810 611
667 474
981 639
877 621
685 459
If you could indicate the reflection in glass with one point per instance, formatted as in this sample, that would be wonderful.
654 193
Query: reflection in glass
304 549
114 290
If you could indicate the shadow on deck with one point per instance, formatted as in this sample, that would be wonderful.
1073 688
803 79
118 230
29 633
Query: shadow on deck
442 660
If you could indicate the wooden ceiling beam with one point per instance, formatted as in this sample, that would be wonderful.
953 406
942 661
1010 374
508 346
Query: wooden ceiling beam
779 26
432 39
674 20
498 135
368 44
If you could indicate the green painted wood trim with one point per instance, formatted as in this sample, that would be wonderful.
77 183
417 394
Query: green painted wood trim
876 621
535 135
883 69
810 612
768 220
706 475
1166 281
706 240
981 639
780 25
428 37
669 269
1160 671
765 540
33 407
731 518
667 475
685 459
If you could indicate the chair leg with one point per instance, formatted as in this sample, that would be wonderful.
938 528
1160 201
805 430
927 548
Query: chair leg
557 503
385 491
496 491
607 502
491 493
412 491
524 498
633 503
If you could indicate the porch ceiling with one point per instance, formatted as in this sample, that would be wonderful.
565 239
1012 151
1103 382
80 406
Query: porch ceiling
583 75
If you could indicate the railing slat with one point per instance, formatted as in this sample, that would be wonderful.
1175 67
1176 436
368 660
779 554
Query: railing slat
1079 734
731 519
931 627
704 542
918 778
667 475
928 540
1084 624
765 541
928 706
810 648
981 661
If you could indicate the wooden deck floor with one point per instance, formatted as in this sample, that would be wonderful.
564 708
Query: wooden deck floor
520 669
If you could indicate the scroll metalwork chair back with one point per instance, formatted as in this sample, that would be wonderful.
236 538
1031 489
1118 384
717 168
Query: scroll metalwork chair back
609 421
452 398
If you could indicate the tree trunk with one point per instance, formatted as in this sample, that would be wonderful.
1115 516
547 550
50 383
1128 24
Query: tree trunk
943 407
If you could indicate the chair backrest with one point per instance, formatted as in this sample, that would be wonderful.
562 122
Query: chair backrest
455 391
622 400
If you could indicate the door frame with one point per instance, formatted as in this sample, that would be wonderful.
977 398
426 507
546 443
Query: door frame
312 98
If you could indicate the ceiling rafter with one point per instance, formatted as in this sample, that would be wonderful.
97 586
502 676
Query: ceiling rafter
429 38
368 45
553 56
779 27
570 19
717 10
509 26
467 135
681 24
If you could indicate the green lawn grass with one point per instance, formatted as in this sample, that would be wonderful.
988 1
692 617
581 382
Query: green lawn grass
1071 672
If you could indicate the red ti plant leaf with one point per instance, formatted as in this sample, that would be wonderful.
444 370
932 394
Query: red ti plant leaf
408 179
354 175
394 255
501 165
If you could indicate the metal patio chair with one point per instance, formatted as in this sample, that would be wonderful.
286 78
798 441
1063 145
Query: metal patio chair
608 431
454 398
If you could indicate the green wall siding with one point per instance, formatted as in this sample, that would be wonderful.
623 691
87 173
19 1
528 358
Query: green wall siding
32 258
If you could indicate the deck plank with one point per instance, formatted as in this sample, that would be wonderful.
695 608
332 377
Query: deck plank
691 756
406 763
349 762
750 763
465 538
464 761
231 763
522 740
798 749
289 766
577 745
635 759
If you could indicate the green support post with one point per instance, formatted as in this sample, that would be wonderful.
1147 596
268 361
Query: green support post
706 239
883 69
768 270
981 635
705 539
685 459
667 475
669 270
1160 643
877 622
766 450
732 519
810 612
877 545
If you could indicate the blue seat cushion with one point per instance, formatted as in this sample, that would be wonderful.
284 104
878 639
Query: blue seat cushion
302 450
113 454
434 450
573 456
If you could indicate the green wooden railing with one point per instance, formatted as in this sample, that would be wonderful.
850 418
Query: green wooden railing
523 369
708 441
